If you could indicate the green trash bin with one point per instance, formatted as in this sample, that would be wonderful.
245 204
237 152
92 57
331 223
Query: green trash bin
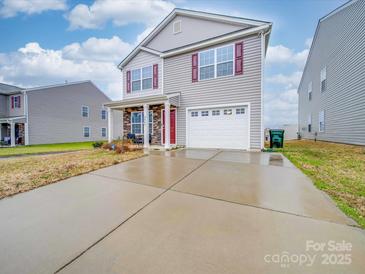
276 138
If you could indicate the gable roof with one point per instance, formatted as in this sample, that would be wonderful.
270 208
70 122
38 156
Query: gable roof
329 15
6 89
253 24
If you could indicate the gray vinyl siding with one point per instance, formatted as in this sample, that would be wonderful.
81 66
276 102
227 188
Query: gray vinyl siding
55 113
340 46
142 59
244 88
193 30
3 106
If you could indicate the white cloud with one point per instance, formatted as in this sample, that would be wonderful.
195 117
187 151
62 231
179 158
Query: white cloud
33 65
120 12
10 8
282 55
289 81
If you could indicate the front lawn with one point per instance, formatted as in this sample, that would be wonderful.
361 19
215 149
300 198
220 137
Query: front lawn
34 149
23 174
337 169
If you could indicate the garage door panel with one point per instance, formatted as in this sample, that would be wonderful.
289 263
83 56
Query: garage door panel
220 130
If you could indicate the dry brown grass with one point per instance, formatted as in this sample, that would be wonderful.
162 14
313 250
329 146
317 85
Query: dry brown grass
337 169
23 174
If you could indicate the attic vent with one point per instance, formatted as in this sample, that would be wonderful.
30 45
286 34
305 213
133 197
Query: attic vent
176 27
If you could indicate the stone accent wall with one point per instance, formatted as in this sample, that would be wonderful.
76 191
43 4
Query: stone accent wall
157 122
21 133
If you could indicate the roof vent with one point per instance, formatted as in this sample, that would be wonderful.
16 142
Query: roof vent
177 27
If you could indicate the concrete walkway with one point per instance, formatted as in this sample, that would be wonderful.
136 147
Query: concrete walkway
189 211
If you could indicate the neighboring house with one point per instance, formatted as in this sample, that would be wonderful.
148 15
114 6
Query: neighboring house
332 88
198 79
71 112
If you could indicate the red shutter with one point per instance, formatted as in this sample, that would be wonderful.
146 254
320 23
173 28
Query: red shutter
239 58
12 101
128 81
155 76
18 101
194 67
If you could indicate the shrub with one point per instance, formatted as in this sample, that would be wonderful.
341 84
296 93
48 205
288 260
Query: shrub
97 144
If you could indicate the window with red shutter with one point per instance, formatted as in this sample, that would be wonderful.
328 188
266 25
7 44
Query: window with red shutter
12 101
194 67
155 76
128 81
239 58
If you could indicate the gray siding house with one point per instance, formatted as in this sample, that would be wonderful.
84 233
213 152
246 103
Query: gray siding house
198 81
332 88
72 112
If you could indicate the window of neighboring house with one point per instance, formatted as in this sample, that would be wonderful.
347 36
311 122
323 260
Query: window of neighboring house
225 61
85 111
240 110
216 112
86 132
142 78
227 112
321 121
15 102
310 123
137 122
216 62
103 114
136 79
205 113
103 132
310 91
323 79
194 114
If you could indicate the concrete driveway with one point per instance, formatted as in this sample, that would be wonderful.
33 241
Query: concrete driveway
188 211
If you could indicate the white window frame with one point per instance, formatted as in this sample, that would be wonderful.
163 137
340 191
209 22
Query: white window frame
106 132
215 63
141 123
321 115
83 131
323 78
106 114
82 111
141 79
310 88
173 27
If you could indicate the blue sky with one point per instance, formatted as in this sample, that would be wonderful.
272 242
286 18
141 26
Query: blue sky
50 41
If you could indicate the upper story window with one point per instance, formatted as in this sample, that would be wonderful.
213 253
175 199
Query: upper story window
15 101
103 114
310 91
216 62
176 27
85 111
142 78
321 121
323 79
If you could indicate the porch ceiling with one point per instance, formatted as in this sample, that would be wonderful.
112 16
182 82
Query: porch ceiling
174 99
17 119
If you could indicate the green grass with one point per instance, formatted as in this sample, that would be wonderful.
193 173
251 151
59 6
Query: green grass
337 169
34 149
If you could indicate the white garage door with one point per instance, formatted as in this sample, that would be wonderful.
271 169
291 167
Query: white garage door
221 127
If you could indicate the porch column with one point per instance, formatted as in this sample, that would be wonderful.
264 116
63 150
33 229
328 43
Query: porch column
12 134
167 125
110 125
146 129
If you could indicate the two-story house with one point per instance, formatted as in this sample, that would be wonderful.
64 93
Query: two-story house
332 89
197 81
71 112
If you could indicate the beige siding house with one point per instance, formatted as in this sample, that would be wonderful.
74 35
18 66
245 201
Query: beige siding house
71 112
198 81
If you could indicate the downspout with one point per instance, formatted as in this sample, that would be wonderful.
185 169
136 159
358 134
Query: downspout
26 114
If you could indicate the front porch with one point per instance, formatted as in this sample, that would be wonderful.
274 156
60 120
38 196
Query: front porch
152 120
13 131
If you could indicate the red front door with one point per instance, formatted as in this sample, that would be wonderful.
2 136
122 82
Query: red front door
172 126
